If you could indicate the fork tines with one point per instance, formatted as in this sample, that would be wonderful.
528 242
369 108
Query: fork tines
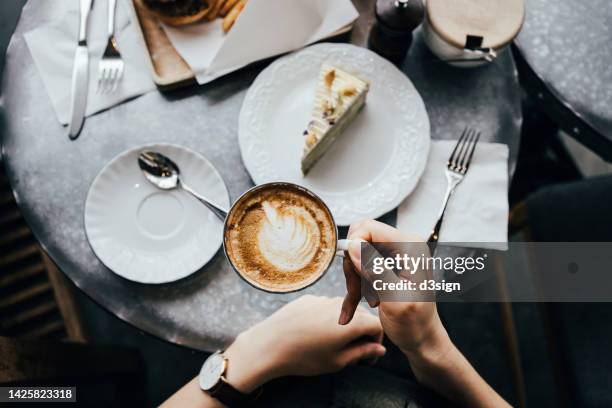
461 157
110 68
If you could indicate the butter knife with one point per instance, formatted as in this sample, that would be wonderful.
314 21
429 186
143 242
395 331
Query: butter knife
80 75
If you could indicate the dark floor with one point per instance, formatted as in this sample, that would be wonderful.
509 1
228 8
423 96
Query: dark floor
168 366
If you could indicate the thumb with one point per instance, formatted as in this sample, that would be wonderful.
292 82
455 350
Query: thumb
354 251
361 351
362 260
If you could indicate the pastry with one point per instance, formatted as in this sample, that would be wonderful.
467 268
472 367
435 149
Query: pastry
227 6
215 10
232 16
339 97
179 12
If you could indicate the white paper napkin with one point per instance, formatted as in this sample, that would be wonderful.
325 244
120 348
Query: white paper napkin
53 45
264 29
478 210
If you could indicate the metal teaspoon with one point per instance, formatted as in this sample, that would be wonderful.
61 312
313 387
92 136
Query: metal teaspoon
165 174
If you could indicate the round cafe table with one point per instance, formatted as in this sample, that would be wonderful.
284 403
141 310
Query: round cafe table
51 175
564 58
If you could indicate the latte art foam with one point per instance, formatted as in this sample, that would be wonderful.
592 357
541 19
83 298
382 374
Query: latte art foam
289 237
280 238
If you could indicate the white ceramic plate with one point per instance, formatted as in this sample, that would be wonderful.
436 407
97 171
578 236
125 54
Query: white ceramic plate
372 167
148 235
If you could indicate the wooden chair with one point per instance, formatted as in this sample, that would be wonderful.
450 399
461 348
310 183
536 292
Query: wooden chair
47 345
35 300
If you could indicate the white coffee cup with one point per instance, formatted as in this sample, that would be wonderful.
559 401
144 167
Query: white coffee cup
341 245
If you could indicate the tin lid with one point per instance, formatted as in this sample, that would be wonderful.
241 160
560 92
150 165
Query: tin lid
476 23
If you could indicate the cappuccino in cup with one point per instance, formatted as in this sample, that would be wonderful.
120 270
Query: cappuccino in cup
280 237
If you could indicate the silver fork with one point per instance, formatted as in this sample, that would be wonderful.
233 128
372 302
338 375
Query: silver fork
111 65
456 168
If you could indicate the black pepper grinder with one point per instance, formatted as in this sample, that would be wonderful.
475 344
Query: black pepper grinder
391 35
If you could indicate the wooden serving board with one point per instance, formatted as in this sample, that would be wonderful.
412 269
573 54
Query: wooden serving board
168 69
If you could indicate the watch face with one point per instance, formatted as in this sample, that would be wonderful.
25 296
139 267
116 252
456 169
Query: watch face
212 370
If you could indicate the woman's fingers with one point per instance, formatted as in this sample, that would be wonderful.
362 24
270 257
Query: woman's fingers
364 324
361 351
371 239
374 231
354 252
380 237
368 231
353 295
371 296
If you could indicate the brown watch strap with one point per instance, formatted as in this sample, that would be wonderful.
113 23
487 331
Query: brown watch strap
231 397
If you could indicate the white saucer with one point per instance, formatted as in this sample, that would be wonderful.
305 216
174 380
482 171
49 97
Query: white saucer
372 167
148 235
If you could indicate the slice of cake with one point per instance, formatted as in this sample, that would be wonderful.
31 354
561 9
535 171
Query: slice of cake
338 98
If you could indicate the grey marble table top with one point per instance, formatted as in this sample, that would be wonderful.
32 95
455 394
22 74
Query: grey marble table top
51 175
568 44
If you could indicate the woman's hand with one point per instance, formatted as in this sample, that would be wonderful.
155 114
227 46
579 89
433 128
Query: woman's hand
302 339
412 326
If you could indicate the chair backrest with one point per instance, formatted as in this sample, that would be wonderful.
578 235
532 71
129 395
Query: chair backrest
572 212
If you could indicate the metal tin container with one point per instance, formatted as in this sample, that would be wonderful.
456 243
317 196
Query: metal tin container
470 33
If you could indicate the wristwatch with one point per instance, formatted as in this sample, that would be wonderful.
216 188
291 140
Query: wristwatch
212 381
